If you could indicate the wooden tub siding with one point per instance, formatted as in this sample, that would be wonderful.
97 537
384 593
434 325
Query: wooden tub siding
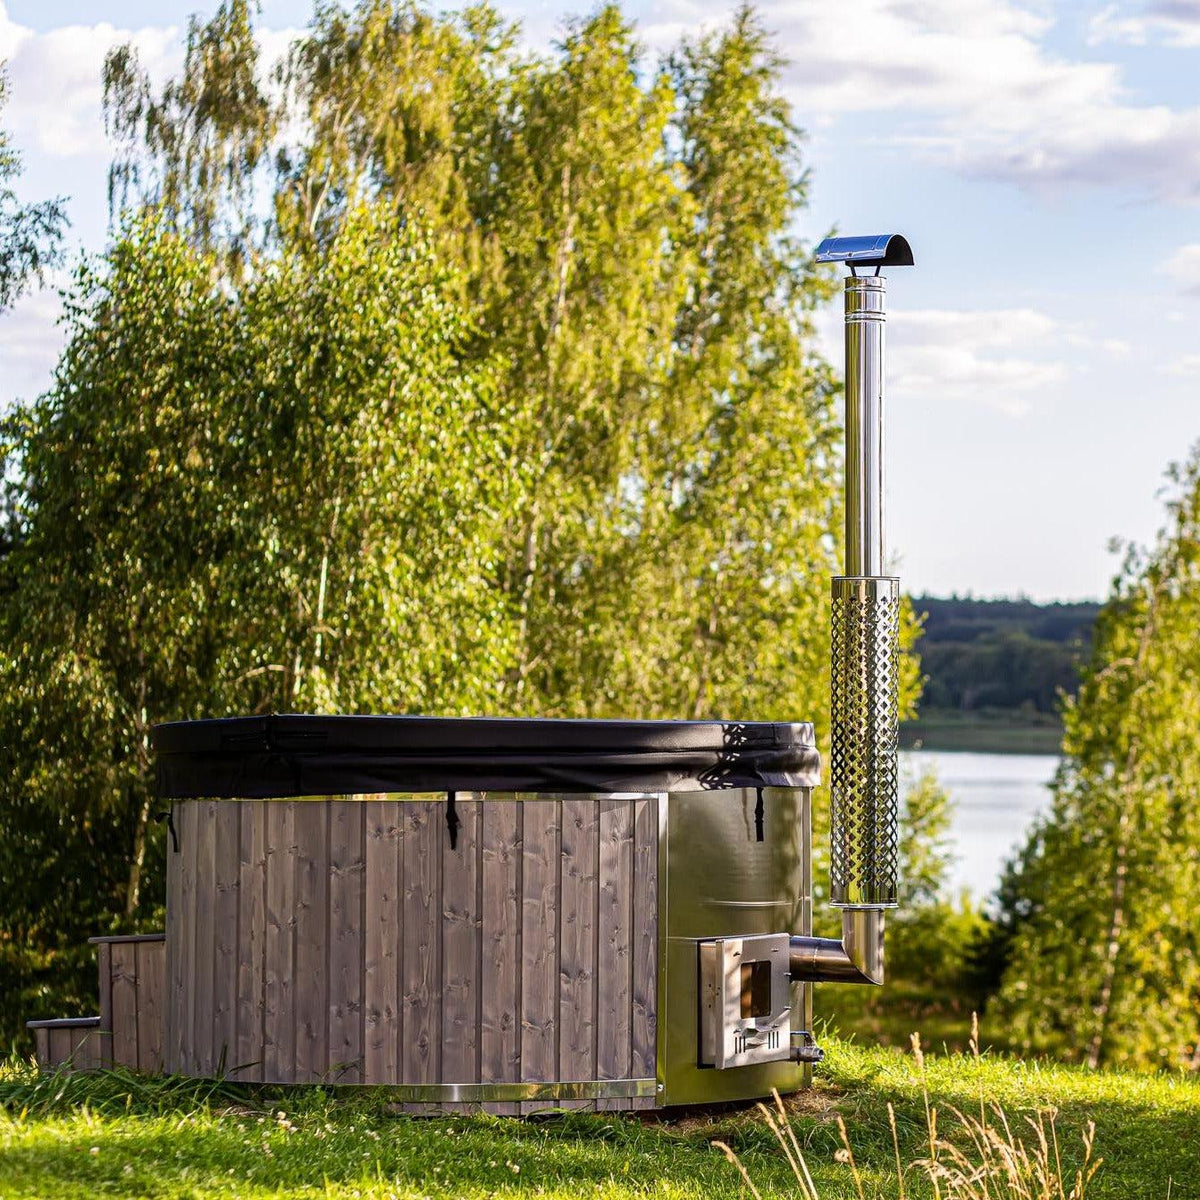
246 1063
462 949
579 900
644 1007
366 950
500 981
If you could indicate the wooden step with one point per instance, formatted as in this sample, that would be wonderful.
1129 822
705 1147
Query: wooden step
133 975
76 1043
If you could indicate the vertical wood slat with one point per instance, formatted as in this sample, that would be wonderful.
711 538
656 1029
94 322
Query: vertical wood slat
279 1025
181 913
381 998
151 979
204 834
421 921
187 813
644 1016
346 825
577 951
310 820
71 1044
226 832
461 950
124 984
171 929
252 925
539 944
104 971
89 1053
60 1046
614 944
500 1032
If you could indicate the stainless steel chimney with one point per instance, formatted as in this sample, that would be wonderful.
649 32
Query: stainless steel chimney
864 785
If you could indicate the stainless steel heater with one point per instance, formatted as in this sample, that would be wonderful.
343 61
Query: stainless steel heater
863 783
742 1017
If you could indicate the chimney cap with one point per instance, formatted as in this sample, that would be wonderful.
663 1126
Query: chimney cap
869 250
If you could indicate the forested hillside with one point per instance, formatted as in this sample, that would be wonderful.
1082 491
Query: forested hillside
995 670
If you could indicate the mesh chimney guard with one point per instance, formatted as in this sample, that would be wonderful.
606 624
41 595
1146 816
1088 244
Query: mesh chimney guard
865 617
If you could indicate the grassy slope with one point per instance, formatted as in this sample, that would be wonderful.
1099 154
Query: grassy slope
109 1136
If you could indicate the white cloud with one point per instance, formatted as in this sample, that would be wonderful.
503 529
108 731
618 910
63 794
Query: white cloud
1184 267
983 90
975 357
1005 359
977 82
30 342
1109 26
1170 22
1184 365
56 81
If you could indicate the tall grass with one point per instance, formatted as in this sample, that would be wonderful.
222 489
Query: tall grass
967 1156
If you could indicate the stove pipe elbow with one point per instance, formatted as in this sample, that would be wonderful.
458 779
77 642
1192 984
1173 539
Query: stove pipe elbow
856 958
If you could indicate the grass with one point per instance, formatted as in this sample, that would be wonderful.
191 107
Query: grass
990 731
116 1135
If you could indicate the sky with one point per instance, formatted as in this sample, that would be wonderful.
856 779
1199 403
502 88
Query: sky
1042 159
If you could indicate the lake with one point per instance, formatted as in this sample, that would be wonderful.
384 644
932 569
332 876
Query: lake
995 796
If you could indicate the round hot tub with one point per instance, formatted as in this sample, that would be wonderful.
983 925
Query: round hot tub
475 912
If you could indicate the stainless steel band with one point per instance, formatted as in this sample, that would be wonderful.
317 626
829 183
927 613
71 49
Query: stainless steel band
473 1093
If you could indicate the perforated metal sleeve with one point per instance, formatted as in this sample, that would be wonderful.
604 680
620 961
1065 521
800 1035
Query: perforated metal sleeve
864 774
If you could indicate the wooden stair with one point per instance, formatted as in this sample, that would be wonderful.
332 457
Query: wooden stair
129 1032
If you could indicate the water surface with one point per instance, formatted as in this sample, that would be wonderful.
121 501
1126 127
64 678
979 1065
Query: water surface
996 796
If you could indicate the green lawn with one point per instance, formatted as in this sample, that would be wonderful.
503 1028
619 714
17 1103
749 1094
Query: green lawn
114 1136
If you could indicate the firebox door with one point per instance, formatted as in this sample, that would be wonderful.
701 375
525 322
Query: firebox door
745 1000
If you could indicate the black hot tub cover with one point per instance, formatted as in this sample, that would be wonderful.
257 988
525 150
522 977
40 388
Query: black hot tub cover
292 755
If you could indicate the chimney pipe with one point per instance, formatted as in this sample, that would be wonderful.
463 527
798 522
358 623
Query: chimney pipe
864 783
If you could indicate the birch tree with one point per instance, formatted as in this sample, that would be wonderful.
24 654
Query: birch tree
1105 958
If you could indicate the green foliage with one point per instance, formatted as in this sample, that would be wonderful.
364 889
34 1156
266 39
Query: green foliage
219 501
30 234
965 619
180 1138
1102 925
624 237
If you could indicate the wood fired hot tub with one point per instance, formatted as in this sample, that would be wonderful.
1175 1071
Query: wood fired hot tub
475 912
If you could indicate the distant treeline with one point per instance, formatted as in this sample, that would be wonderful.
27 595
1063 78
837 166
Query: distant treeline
1001 654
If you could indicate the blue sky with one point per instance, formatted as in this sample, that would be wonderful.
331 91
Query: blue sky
1044 161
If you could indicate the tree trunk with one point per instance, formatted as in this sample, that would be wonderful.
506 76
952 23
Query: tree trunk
134 885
